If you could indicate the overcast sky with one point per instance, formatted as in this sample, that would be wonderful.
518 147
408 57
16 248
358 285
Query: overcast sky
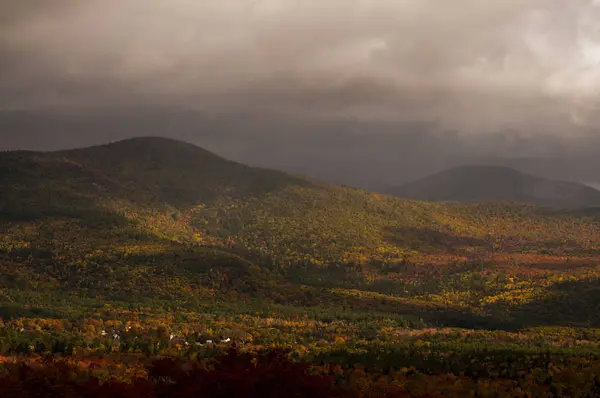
471 66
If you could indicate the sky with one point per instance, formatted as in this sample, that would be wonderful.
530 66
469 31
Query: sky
351 85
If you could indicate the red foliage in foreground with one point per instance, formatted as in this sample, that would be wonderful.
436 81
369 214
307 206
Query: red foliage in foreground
233 375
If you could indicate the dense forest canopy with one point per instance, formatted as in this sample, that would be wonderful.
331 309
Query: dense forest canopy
152 246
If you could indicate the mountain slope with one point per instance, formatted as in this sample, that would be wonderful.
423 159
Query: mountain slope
158 219
180 192
495 183
176 172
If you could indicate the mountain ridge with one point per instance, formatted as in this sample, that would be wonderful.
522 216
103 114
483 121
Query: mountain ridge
163 220
484 183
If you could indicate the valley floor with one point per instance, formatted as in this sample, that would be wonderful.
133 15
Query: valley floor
360 354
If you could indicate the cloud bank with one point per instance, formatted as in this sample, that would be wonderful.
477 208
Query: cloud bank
467 65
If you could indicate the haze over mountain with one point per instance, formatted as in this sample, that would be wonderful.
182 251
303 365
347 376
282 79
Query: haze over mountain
494 183
351 92
368 155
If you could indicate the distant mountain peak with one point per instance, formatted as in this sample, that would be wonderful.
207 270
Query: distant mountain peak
148 144
484 183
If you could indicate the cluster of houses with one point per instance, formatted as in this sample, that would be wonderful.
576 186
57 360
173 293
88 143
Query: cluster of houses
229 336
127 334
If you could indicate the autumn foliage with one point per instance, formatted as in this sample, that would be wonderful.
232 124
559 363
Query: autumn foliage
232 375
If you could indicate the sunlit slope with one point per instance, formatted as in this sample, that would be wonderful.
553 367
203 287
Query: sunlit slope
161 219
175 191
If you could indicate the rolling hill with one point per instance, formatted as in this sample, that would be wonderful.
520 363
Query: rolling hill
158 219
495 183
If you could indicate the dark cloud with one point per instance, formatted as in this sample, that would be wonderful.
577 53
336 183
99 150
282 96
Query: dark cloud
506 63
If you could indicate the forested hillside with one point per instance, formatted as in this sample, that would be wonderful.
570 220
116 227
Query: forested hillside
174 239
133 218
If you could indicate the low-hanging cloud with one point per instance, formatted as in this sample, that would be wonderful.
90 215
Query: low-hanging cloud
467 65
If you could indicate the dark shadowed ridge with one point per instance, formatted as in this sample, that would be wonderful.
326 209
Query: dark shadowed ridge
495 183
152 149
178 172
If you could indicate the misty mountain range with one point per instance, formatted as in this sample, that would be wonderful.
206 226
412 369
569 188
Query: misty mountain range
467 184
369 155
